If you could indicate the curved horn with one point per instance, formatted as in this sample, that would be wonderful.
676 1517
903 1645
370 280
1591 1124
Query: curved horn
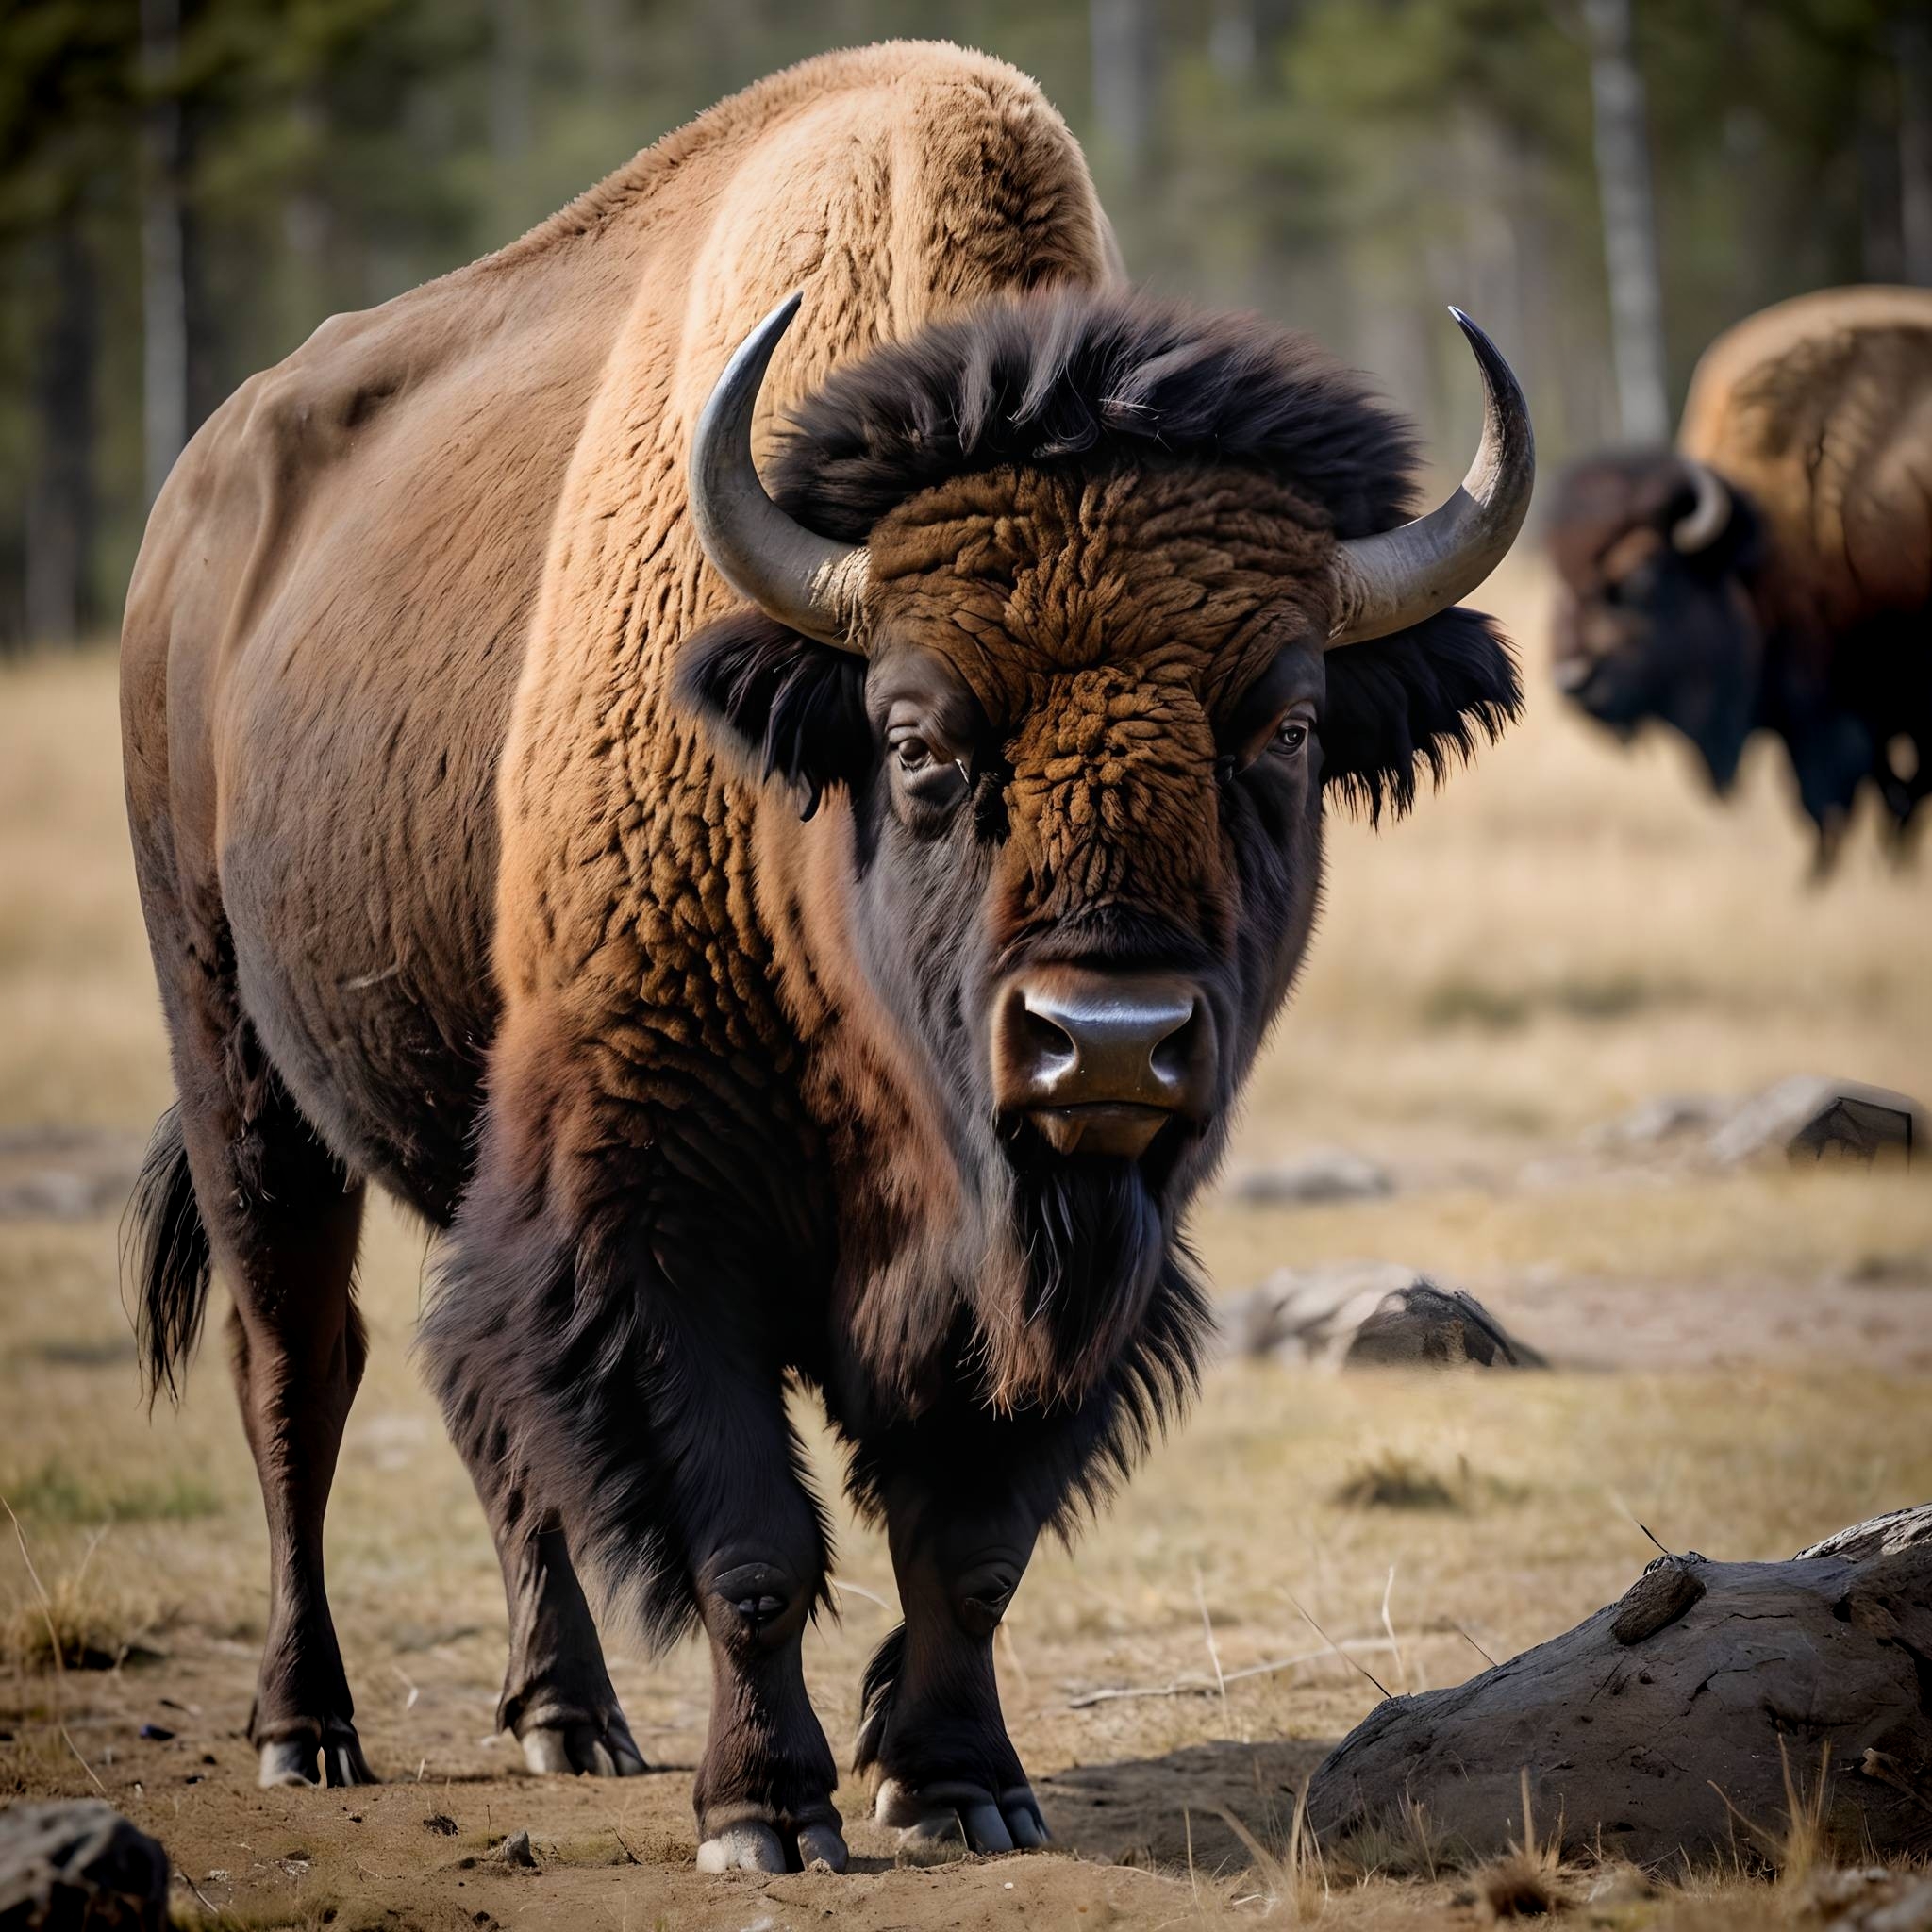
808 581
1386 582
1709 514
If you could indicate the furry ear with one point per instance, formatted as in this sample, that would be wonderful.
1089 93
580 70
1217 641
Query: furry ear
1422 698
789 707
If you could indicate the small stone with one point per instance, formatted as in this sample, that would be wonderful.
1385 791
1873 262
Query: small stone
515 1850
1665 1117
1619 1885
74 1864
1326 1173
442 1824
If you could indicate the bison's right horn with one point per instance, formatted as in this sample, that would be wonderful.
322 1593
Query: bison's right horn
808 581
1394 579
1709 514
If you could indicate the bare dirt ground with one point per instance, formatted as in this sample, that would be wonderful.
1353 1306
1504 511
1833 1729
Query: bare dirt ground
1743 1363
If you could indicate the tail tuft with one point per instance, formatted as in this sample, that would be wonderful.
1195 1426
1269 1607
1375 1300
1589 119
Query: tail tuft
164 1256
875 1698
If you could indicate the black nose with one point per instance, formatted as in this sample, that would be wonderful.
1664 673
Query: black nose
1099 1062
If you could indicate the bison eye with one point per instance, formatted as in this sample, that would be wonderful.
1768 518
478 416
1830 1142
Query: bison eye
1291 736
931 781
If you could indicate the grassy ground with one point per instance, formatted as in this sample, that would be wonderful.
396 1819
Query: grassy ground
1744 1364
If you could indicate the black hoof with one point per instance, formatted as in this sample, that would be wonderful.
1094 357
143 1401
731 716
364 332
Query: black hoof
294 1761
575 1747
940 1823
751 1844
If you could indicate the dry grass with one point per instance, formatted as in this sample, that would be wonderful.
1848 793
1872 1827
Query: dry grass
1393 1480
56 1493
1563 932
1802 1845
1293 1880
1528 1880
83 1618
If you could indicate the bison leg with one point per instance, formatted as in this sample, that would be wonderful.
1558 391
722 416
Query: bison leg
580 1392
949 1775
557 1699
557 1693
763 1792
283 1223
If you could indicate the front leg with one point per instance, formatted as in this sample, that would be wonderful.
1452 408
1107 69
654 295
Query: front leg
763 1793
949 1776
605 1348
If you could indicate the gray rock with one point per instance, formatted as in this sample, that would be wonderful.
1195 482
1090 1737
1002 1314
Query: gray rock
1425 1326
515 1851
1667 1117
1806 1118
73 1864
1868 1899
64 1173
1325 1173
1637 1726
1364 1314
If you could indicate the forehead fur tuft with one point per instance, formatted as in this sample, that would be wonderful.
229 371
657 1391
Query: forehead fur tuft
1094 377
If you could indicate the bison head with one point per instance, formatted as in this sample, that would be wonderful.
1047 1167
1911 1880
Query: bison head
1653 620
1052 594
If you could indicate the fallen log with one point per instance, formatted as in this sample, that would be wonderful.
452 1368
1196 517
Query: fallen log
1688 1719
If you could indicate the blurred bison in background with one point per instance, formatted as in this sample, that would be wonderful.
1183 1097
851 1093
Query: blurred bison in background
822 937
1774 573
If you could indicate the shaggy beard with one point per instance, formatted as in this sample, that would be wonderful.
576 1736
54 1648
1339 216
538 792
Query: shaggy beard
1087 1245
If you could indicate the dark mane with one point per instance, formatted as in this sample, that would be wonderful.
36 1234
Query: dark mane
1087 375
1095 376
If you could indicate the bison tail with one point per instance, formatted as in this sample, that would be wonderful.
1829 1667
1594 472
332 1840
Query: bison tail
875 1698
165 1257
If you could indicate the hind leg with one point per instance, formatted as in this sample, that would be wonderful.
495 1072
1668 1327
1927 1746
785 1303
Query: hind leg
742 1548
557 1694
283 1219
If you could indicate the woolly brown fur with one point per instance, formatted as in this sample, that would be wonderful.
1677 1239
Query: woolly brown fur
491 852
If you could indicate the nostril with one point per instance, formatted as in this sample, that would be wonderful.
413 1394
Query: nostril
1047 1046
1173 1058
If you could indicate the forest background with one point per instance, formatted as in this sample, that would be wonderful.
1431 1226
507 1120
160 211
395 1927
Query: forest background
189 187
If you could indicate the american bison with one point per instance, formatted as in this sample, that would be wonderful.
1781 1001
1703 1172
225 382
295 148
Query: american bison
1774 573
837 958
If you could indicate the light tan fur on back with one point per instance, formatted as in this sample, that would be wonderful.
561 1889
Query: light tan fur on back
1821 409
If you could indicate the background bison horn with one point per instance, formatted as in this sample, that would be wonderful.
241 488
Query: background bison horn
793 574
1388 582
1709 514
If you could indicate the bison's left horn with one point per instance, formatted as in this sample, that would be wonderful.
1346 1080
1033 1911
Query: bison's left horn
1709 515
1389 582
813 584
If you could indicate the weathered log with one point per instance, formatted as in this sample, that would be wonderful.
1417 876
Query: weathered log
1669 1722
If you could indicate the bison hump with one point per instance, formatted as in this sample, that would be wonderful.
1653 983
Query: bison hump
1822 409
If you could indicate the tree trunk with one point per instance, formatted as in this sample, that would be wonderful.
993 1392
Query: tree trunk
1121 34
163 250
61 498
1234 41
1629 218
509 106
1915 147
